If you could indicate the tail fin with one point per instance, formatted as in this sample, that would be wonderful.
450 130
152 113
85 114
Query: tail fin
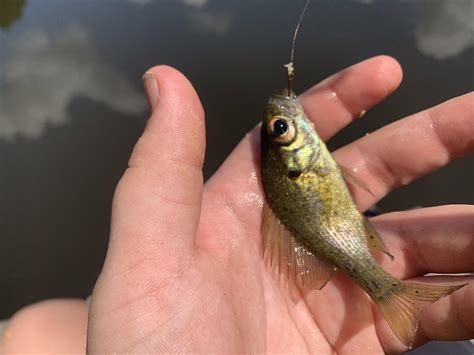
403 308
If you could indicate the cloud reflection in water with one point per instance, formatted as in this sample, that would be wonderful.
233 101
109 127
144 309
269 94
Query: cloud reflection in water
446 28
43 72
201 18
214 22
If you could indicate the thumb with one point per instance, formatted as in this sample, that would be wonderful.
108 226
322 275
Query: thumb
157 203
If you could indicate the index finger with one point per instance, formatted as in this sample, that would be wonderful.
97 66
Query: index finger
335 102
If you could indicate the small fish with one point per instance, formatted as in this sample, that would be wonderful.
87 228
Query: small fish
311 226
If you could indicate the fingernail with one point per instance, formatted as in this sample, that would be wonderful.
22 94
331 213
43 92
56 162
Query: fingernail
151 89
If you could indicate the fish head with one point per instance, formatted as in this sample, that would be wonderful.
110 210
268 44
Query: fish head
288 137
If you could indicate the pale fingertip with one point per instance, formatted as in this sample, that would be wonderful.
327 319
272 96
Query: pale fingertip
389 75
152 91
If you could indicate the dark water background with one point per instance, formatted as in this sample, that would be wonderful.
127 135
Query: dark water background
72 107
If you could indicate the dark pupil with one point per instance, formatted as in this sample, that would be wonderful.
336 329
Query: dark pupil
280 127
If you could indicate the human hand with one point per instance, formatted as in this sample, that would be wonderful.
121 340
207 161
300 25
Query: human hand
184 271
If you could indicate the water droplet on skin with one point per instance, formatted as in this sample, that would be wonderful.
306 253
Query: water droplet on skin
253 199
430 124
362 113
405 180
331 95
253 177
429 127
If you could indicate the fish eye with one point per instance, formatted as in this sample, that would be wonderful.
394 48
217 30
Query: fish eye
281 129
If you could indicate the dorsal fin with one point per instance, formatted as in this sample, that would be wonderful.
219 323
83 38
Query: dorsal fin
374 241
281 250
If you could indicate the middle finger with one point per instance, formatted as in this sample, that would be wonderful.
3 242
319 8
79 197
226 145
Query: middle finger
409 148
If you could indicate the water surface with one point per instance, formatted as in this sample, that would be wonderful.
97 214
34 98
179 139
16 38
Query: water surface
72 107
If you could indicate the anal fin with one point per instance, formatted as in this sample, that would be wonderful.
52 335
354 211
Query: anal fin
281 250
374 241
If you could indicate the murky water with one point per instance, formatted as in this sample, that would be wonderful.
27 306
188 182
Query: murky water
71 103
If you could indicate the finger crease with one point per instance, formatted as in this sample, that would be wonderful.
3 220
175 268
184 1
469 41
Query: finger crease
381 171
331 89
434 124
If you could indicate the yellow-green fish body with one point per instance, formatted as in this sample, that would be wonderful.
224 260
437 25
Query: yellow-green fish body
312 226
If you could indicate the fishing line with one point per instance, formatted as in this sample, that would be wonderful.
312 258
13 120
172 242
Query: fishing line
290 68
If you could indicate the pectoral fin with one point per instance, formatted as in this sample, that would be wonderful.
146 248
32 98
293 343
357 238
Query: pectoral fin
282 251
353 179
374 241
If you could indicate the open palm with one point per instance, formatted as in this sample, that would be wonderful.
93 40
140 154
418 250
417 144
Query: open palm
184 271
